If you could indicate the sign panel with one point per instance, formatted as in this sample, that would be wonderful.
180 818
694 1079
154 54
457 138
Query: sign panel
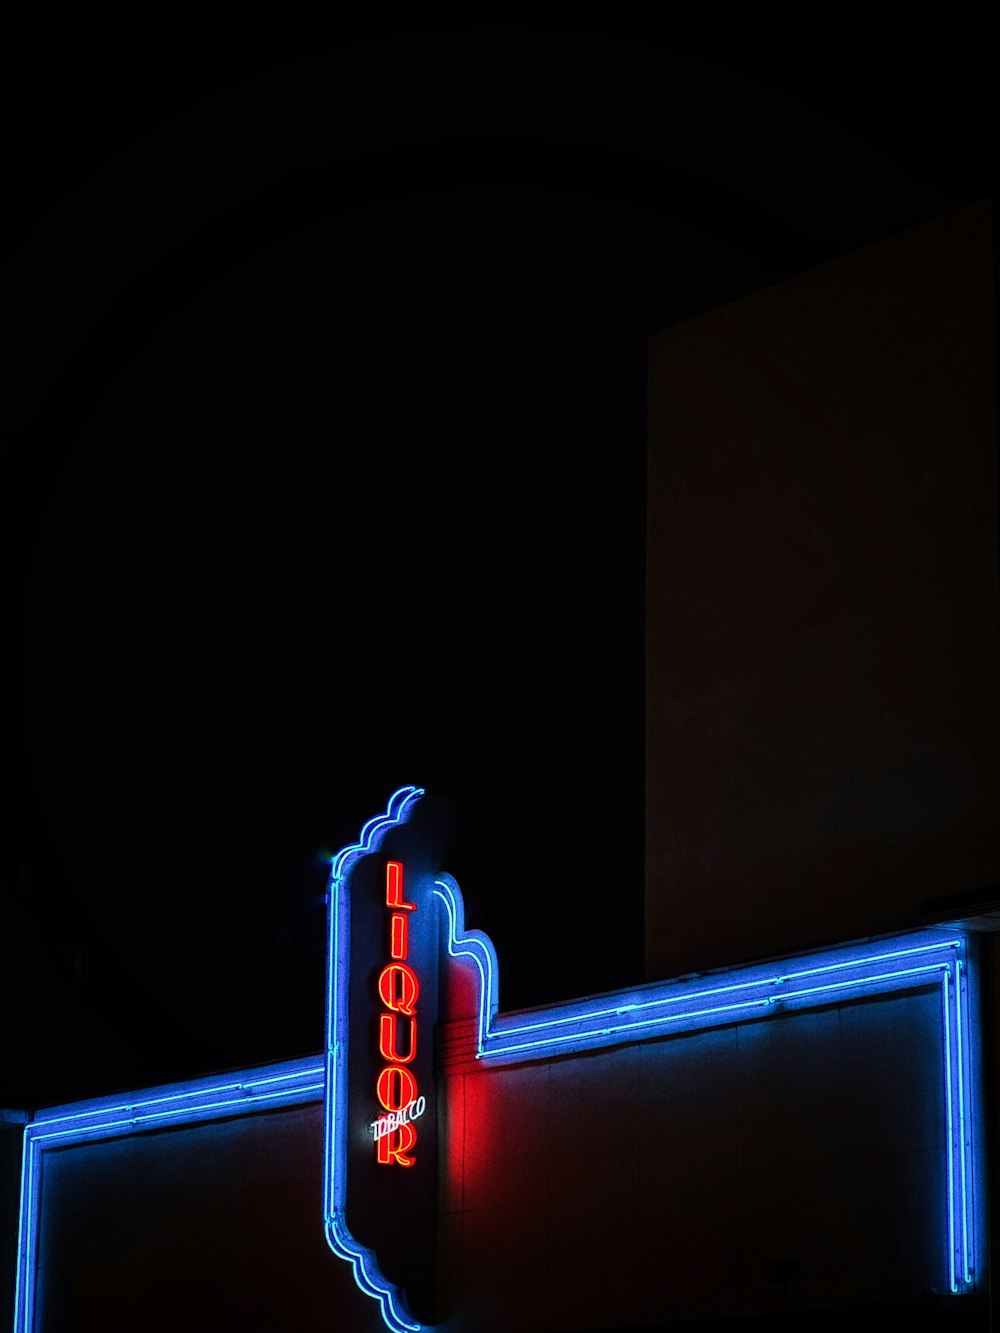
387 942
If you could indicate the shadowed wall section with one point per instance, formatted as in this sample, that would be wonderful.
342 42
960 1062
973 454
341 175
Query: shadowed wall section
209 1226
788 1165
822 712
796 1163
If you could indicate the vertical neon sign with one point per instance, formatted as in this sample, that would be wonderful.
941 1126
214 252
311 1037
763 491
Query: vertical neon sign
387 966
399 989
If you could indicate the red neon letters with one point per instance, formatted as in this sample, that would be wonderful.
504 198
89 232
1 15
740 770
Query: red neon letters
398 988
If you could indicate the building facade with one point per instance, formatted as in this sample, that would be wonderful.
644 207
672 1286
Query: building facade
792 1121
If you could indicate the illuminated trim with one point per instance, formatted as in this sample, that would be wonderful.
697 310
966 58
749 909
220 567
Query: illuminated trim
722 997
338 1236
735 995
475 945
291 1083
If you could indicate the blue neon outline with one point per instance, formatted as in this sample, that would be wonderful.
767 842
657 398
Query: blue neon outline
961 1117
174 1105
946 992
869 967
472 944
362 1259
875 964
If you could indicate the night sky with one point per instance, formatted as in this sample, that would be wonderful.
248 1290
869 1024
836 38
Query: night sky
324 422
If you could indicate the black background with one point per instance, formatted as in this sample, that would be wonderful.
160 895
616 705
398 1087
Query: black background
324 421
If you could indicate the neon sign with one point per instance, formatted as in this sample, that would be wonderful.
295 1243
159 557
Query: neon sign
393 927
926 959
385 1124
398 987
385 978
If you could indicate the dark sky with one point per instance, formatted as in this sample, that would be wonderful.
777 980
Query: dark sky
324 422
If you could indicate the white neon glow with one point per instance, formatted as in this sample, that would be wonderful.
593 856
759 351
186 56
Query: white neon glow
385 1124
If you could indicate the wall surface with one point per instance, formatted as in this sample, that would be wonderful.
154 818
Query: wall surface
822 759
799 1164
822 703
213 1226
792 1166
